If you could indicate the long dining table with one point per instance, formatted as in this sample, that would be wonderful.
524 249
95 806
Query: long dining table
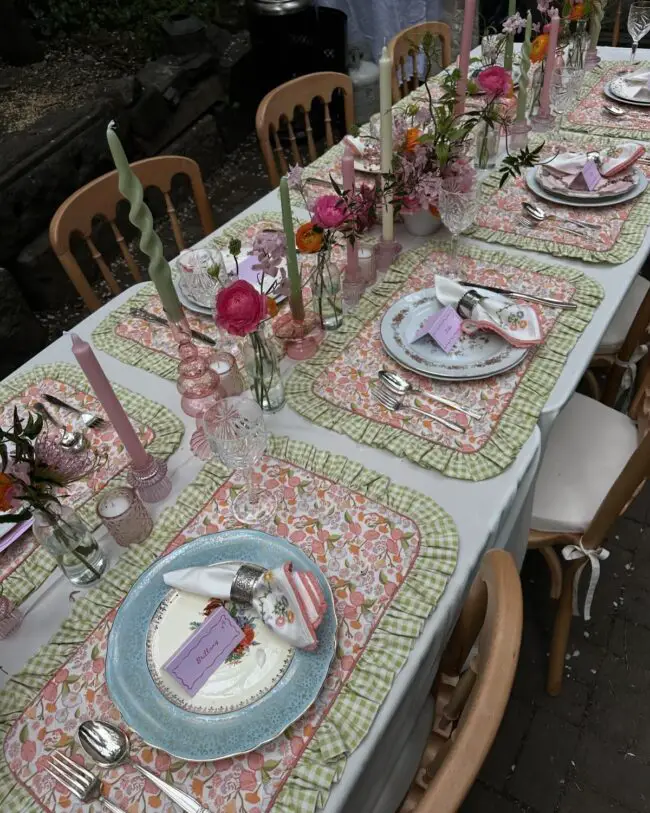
489 513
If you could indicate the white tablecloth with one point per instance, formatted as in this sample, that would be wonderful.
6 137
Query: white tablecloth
491 513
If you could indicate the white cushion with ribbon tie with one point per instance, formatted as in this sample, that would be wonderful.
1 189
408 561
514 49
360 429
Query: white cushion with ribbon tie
588 448
622 320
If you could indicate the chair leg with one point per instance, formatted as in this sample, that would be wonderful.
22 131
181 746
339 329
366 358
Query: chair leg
561 629
592 383
555 569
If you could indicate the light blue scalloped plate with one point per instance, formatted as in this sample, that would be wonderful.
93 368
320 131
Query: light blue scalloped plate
198 737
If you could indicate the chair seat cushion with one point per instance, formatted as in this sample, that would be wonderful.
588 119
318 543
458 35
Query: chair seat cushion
588 448
618 328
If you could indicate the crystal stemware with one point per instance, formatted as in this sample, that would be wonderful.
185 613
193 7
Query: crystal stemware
638 23
565 89
234 428
458 210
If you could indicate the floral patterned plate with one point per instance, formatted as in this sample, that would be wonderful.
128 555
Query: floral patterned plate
480 355
249 672
621 91
535 188
191 735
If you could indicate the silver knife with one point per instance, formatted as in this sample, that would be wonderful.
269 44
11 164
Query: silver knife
544 300
141 313
182 799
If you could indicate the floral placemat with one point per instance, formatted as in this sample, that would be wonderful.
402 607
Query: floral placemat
621 226
588 115
152 347
388 553
24 565
333 388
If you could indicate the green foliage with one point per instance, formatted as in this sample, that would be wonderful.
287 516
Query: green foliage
512 165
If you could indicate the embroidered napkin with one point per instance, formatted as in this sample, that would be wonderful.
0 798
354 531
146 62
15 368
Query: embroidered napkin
516 322
565 170
638 81
290 602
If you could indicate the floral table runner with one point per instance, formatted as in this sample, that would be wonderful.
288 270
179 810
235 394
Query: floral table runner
388 553
621 230
588 115
152 347
333 388
24 565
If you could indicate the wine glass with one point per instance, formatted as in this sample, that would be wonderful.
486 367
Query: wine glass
234 428
638 23
458 209
565 88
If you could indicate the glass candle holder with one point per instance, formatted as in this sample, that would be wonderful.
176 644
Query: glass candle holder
124 516
225 366
10 617
367 264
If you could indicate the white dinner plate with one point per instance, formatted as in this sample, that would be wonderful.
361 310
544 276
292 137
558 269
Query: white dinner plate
620 91
534 186
479 355
585 194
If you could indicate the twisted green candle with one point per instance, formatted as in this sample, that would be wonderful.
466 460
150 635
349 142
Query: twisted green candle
596 21
141 217
295 283
524 68
510 39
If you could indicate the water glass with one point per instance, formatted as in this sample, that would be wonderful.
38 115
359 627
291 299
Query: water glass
234 428
565 89
638 23
458 210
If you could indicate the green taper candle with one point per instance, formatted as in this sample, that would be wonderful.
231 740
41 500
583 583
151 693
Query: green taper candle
295 283
140 215
524 67
510 39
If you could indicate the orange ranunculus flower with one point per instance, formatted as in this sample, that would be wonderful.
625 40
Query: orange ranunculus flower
412 135
577 11
538 48
434 210
272 306
7 492
308 239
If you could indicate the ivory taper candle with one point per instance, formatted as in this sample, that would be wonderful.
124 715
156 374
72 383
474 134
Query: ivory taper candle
524 68
463 56
386 134
293 272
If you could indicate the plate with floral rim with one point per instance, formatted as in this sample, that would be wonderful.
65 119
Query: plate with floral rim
192 735
479 355
535 187
619 90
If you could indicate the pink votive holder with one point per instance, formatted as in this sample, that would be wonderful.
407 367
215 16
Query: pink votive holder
225 366
124 516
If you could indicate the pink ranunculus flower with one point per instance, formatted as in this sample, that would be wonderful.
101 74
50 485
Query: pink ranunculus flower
329 212
495 81
240 308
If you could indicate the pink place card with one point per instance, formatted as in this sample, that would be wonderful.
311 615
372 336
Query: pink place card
444 327
204 651
591 175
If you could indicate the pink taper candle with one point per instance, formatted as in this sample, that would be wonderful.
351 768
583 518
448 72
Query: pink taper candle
115 413
348 186
549 67
463 56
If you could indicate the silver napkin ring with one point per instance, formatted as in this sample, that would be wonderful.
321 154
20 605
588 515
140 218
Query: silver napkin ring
468 302
243 585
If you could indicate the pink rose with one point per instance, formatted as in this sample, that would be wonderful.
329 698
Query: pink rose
240 308
495 81
329 212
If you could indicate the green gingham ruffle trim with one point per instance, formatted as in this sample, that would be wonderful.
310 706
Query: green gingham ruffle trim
354 710
592 78
627 243
168 430
518 419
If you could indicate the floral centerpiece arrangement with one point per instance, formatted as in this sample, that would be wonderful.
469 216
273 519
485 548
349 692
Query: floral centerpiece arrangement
35 470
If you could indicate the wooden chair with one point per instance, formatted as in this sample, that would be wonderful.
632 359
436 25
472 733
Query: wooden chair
279 105
101 197
596 460
616 33
407 44
471 689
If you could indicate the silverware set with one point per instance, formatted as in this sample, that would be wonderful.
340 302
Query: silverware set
108 746
533 217
146 316
75 441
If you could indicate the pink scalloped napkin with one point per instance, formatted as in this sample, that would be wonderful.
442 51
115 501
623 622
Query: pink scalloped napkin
577 172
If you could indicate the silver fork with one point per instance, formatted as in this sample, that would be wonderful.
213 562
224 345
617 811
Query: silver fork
532 225
75 778
88 418
395 404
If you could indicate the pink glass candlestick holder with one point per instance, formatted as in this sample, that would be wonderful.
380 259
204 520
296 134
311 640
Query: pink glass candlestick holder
124 516
197 383
10 617
591 57
541 122
387 251
301 337
151 481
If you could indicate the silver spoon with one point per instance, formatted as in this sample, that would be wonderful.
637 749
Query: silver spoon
395 403
108 746
74 441
540 215
400 386
614 110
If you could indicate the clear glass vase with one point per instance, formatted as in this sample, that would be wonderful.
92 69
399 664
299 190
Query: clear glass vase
328 295
62 533
263 369
487 145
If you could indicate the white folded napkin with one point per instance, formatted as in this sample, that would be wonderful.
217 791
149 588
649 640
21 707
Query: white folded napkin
639 83
567 167
516 322
290 602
